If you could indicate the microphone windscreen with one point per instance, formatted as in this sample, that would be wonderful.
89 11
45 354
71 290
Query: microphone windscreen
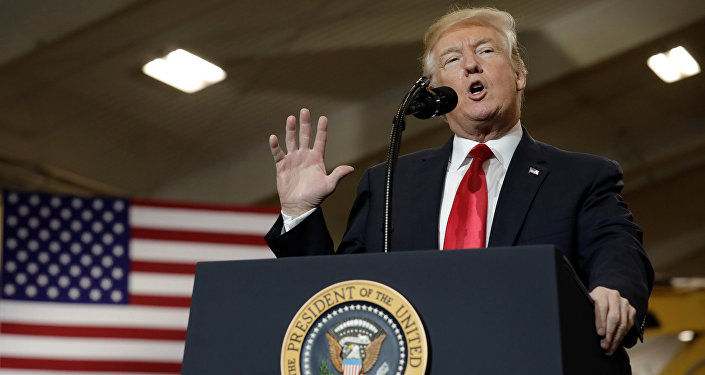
433 102
449 99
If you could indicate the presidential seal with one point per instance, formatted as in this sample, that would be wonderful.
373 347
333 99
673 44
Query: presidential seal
355 327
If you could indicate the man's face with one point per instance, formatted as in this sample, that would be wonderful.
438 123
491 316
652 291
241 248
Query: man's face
474 61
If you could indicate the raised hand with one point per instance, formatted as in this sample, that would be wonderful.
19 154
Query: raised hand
302 181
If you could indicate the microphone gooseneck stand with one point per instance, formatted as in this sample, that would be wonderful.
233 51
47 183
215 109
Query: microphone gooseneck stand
398 126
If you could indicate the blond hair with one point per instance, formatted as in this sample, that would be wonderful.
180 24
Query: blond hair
500 20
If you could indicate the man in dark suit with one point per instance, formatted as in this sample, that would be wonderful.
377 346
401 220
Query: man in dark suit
530 192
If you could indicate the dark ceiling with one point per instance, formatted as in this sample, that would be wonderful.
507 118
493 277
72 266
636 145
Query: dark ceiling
78 116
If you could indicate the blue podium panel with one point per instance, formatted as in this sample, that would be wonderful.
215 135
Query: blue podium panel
517 310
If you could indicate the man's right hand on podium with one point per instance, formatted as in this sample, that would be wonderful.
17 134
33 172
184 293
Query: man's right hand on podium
302 181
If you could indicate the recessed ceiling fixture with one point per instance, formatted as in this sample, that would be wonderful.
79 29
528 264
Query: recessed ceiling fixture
673 65
686 336
184 70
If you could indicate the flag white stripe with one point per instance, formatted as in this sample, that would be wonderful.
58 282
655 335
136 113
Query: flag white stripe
184 252
90 348
200 220
160 284
51 372
97 315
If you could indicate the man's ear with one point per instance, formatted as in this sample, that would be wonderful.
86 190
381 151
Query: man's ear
521 80
432 82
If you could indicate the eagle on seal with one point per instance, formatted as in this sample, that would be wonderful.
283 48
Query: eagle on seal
350 348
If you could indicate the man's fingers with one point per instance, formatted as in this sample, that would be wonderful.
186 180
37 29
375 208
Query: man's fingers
290 133
319 144
600 313
277 152
627 313
613 319
304 129
616 340
631 314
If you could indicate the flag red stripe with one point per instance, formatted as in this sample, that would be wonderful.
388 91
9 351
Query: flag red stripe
189 236
97 366
205 206
180 268
146 300
102 332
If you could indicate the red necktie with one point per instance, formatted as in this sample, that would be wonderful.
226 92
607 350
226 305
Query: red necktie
467 223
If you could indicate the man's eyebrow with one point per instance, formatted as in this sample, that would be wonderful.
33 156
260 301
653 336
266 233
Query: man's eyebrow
481 41
449 50
475 44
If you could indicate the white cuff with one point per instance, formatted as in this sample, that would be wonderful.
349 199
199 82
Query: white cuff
290 223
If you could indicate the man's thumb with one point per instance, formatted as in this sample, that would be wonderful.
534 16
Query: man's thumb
340 172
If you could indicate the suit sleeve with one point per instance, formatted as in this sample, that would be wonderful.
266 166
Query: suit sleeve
311 236
610 246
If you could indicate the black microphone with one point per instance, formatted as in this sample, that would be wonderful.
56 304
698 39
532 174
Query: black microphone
433 102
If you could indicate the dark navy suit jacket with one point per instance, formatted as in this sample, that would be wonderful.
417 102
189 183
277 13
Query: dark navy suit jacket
573 202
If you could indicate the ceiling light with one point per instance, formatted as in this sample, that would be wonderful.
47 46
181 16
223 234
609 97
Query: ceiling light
686 336
687 282
184 71
673 65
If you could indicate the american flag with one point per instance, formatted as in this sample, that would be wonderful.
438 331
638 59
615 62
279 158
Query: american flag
103 285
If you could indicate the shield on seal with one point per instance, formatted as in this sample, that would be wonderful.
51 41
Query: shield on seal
352 366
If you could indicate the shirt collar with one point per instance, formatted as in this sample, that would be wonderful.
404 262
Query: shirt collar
502 148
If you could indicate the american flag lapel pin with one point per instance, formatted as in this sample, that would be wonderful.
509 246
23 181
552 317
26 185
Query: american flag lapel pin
533 171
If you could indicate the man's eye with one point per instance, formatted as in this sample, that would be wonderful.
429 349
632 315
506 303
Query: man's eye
450 60
486 50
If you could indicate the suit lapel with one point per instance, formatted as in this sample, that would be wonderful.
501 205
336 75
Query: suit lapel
426 199
521 183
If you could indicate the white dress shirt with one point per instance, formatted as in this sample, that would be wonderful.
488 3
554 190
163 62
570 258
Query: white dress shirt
459 162
495 169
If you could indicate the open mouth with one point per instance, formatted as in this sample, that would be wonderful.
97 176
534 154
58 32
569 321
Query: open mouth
476 88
